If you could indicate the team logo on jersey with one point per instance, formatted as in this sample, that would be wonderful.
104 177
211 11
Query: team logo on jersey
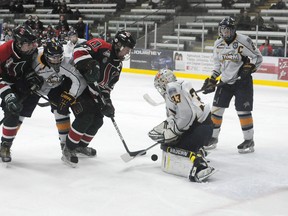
54 79
176 98
14 68
235 45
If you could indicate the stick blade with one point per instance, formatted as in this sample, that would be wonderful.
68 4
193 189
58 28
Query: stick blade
128 157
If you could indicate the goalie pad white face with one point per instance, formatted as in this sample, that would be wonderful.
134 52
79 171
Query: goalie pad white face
177 161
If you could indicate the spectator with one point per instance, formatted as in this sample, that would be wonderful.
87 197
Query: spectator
30 22
77 14
153 4
47 3
19 7
49 32
272 26
12 7
243 21
69 13
280 51
120 4
38 24
5 29
266 49
227 4
62 22
80 28
279 5
9 35
258 20
63 35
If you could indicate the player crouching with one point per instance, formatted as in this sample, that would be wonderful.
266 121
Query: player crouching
186 130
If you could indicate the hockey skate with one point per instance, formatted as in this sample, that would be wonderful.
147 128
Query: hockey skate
87 151
211 144
246 147
5 151
200 171
69 157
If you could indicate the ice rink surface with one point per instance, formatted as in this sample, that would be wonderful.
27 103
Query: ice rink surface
38 183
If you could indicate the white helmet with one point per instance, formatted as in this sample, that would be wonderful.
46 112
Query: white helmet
162 78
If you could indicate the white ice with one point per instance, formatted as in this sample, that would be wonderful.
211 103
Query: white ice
38 183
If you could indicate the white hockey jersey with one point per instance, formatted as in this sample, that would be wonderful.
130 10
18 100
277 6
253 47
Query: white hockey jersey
53 79
69 48
184 106
228 59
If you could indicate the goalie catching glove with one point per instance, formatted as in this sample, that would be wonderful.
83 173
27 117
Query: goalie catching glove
246 70
163 133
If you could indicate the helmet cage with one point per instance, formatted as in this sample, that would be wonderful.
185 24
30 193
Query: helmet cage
53 53
226 29
162 78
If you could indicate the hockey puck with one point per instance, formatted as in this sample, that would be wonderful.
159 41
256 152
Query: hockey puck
154 157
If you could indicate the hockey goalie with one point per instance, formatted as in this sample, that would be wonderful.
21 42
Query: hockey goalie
187 128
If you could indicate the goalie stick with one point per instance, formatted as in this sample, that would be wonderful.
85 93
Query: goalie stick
152 102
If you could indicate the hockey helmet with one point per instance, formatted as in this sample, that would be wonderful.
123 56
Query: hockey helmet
227 29
123 43
162 78
25 39
53 53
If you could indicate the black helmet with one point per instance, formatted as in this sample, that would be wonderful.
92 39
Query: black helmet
53 53
227 29
24 34
124 39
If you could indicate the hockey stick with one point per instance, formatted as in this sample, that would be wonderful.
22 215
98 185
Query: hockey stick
127 157
152 102
129 153
45 104
149 100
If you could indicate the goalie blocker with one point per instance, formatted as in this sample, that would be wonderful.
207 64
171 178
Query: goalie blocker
185 163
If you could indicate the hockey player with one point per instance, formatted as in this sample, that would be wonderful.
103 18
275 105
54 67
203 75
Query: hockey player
187 128
63 84
236 58
100 63
73 41
17 102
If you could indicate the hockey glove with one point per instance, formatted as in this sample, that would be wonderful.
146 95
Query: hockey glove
108 109
66 100
34 80
246 70
13 105
209 85
163 134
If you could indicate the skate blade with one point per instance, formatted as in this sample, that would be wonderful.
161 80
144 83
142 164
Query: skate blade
245 151
85 156
204 178
69 163
210 147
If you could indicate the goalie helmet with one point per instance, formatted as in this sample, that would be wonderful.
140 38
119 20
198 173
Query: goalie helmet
25 40
162 78
227 29
123 43
53 53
